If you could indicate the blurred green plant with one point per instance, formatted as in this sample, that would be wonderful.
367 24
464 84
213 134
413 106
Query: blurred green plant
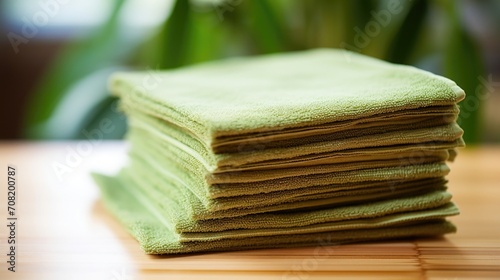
76 62
463 64
202 30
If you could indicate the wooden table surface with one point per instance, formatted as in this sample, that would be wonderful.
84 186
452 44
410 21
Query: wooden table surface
64 232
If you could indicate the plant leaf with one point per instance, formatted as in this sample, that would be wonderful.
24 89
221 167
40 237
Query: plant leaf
463 64
266 27
104 48
174 36
405 40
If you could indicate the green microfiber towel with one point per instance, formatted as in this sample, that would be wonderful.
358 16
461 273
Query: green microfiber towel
284 150
248 96
161 189
156 236
193 173
183 177
401 120
191 216
307 154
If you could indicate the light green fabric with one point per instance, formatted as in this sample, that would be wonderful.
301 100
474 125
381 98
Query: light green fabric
286 187
187 213
254 95
301 155
192 174
153 184
156 236
284 150
400 120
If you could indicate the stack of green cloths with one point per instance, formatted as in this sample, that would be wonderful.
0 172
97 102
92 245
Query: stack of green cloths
321 146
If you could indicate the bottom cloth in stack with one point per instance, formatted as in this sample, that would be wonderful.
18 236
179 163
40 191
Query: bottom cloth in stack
164 226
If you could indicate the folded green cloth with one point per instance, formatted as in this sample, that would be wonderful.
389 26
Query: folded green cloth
284 150
400 120
156 235
290 156
268 94
170 157
151 180
182 212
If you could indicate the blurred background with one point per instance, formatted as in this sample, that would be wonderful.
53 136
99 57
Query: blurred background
56 55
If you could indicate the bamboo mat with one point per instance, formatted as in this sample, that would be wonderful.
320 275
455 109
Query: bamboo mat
64 231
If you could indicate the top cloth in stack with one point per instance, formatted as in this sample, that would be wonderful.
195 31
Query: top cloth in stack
284 150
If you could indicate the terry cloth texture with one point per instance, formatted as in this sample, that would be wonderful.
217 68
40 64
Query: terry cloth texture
284 150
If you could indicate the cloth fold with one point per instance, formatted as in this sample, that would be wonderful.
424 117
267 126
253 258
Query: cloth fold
240 96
